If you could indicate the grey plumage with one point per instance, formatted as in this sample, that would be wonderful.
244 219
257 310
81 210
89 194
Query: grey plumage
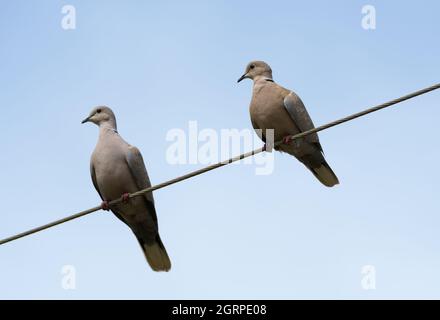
117 168
274 107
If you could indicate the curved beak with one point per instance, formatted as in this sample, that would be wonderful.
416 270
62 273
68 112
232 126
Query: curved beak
86 120
242 77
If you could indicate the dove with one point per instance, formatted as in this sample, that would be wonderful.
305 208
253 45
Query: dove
277 108
118 169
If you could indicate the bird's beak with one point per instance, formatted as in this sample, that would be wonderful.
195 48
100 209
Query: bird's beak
242 77
86 120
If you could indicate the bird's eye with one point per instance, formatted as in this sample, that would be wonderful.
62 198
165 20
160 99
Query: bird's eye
98 111
252 66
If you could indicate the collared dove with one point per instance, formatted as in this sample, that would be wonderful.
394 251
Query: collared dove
277 108
118 169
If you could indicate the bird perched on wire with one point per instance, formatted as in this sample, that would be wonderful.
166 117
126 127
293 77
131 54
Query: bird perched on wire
118 169
280 109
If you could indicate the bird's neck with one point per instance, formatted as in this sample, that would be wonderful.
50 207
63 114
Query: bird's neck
261 82
263 78
107 127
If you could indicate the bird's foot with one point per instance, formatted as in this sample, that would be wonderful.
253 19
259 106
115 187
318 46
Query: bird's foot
125 198
105 206
287 140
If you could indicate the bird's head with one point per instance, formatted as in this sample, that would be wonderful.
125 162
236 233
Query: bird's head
102 115
255 70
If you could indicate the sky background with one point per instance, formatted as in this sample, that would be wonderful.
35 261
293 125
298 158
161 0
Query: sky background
230 233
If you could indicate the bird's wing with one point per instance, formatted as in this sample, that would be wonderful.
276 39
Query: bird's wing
95 183
146 226
298 112
139 173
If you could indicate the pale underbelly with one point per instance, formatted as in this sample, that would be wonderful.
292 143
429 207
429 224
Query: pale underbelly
278 121
113 183
113 186
282 126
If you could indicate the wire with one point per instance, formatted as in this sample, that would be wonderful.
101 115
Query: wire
223 163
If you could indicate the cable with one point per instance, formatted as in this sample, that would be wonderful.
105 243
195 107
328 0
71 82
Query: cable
223 163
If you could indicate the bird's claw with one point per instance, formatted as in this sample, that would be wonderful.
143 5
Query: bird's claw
287 140
105 206
125 198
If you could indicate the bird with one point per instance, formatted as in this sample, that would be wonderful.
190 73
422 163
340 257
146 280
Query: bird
117 169
275 107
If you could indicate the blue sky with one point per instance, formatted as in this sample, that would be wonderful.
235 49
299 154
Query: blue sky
230 233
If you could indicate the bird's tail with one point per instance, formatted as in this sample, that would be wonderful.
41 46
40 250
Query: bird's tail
156 254
325 174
